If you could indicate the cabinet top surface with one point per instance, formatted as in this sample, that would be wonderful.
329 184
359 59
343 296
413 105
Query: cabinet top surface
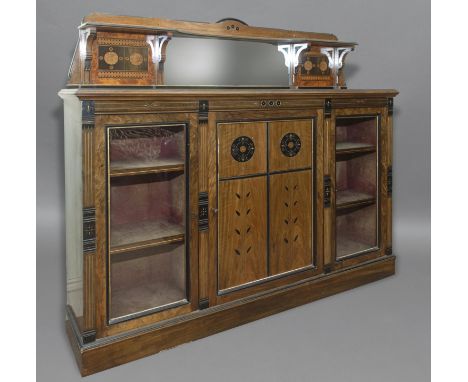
223 92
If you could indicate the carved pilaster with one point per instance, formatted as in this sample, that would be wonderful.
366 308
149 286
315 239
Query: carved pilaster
89 219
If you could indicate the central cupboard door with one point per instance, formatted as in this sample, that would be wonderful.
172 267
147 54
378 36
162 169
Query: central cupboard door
265 227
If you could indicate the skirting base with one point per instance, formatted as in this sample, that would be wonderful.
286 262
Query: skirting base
108 352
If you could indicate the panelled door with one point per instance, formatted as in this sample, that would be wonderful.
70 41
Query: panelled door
358 212
264 231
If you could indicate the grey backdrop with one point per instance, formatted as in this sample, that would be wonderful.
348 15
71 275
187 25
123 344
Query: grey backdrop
378 332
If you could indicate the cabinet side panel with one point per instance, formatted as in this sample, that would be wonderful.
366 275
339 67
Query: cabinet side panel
74 204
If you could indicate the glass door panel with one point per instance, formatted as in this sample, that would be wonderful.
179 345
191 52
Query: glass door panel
356 177
146 220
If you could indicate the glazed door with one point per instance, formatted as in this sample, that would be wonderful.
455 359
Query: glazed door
265 223
357 208
151 235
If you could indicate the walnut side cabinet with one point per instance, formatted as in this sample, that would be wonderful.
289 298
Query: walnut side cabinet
191 211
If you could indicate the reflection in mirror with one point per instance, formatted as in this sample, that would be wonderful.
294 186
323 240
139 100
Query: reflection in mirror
211 62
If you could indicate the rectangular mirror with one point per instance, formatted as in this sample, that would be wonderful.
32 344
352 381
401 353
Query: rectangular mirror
211 62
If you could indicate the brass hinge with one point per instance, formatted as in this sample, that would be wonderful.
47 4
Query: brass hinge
326 191
203 211
389 181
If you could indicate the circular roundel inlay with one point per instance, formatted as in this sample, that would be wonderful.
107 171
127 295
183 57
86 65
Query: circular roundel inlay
290 144
136 59
111 58
308 65
242 149
323 65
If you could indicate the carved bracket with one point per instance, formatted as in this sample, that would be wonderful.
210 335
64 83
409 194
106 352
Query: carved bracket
158 45
291 57
336 58
86 37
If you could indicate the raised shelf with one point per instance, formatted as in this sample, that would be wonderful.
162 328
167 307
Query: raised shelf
351 148
350 199
127 168
129 237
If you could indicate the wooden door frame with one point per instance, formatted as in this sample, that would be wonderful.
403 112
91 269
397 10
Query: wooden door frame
384 208
102 122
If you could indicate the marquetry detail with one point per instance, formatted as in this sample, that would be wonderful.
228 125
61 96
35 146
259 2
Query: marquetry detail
290 144
203 211
88 336
242 231
270 103
203 303
242 149
390 106
203 109
87 120
326 191
87 112
122 58
313 69
290 221
389 181
328 108
89 229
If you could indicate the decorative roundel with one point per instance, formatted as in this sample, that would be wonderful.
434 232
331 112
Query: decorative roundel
308 65
323 65
111 58
290 144
242 149
136 59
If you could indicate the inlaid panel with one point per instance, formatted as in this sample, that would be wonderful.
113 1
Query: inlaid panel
241 149
242 231
291 230
290 144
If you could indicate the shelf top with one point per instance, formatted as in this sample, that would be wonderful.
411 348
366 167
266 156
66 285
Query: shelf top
229 28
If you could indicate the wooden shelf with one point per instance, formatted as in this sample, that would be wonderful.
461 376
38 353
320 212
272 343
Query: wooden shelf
142 297
350 199
346 246
353 148
129 237
123 168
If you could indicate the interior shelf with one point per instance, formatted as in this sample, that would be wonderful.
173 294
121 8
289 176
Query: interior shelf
140 167
141 297
127 237
350 199
350 148
346 246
